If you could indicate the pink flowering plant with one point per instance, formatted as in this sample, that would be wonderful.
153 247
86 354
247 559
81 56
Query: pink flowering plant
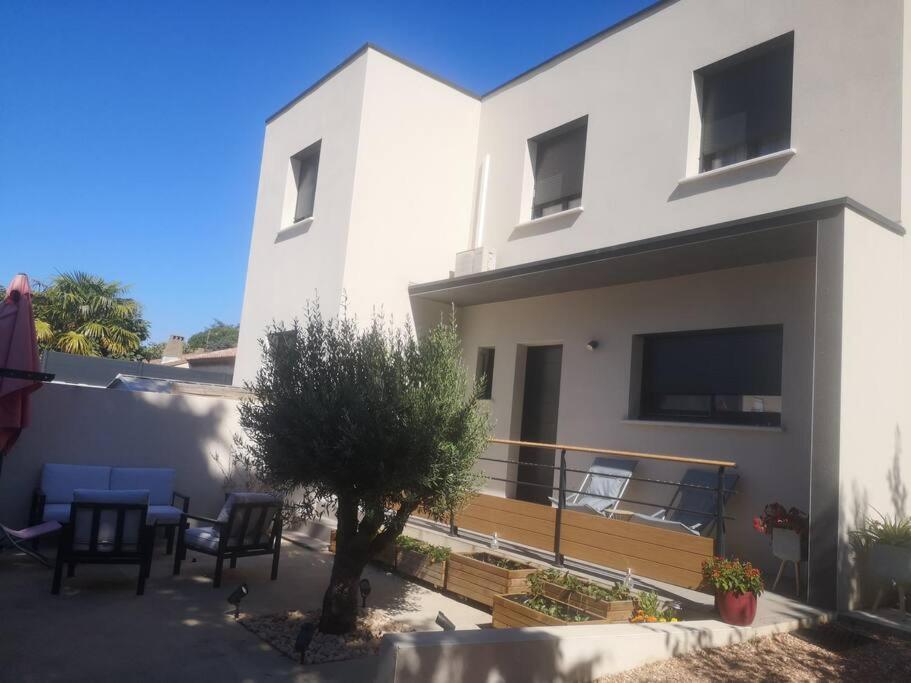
776 516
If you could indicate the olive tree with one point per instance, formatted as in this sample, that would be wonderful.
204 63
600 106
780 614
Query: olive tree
370 418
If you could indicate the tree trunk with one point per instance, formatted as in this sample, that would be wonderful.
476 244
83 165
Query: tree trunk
342 599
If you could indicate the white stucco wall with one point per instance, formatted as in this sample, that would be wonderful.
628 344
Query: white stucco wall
595 386
635 85
93 426
288 267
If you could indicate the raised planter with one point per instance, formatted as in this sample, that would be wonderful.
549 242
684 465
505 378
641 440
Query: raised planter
478 577
610 611
510 611
332 541
788 545
420 566
891 563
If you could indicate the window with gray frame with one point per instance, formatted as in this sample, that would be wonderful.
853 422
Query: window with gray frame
484 374
745 104
305 165
559 161
730 375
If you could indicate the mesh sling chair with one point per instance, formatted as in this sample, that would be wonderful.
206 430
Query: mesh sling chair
249 524
697 506
106 527
603 486
17 538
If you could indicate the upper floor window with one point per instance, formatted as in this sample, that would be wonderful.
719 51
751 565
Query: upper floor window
746 104
727 376
484 372
558 161
305 165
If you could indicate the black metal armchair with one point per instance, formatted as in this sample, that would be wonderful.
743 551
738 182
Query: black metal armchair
249 524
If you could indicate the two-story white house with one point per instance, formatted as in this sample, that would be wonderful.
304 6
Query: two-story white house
682 235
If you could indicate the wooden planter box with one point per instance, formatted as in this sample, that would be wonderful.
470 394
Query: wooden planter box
471 577
387 557
509 612
421 567
611 612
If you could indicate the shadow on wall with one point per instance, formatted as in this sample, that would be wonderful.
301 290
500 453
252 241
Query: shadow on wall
93 426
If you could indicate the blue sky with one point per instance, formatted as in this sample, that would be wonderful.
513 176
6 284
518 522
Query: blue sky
131 132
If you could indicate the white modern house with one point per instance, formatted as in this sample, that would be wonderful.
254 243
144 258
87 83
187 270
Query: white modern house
683 235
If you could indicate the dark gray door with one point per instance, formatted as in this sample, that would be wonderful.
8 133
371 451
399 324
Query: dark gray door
540 407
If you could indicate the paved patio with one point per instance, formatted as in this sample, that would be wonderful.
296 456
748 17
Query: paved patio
182 629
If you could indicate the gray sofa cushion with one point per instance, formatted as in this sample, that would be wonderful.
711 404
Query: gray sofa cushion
56 512
59 481
107 527
158 480
202 537
164 514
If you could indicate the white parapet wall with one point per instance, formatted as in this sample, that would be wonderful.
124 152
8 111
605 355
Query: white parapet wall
569 653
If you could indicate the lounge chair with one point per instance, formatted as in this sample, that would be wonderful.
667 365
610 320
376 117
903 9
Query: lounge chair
106 527
696 506
248 524
17 538
603 486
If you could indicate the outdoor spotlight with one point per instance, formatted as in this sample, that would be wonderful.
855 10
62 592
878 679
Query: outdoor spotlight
592 345
365 591
444 623
239 594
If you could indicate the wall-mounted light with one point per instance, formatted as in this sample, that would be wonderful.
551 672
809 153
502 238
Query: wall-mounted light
592 345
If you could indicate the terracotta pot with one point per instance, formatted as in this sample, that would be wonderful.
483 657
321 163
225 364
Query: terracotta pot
736 609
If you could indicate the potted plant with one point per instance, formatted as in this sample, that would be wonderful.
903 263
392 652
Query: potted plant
887 543
421 560
650 609
788 530
612 603
522 610
482 575
737 585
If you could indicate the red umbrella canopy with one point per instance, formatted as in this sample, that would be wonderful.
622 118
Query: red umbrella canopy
18 351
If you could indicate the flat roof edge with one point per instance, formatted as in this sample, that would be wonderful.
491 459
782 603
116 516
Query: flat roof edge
766 221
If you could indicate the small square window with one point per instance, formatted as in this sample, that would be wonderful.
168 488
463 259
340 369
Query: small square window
305 165
484 373
559 161
745 104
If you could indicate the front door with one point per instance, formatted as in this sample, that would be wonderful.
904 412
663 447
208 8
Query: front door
539 422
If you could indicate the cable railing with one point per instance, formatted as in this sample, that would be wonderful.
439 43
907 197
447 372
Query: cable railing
716 516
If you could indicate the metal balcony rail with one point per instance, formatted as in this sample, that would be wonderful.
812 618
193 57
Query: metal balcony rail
718 515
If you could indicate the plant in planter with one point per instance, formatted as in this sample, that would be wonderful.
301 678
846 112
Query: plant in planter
650 609
788 531
520 610
611 603
421 560
887 543
480 576
737 585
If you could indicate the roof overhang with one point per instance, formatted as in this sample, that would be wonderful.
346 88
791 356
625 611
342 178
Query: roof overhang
766 238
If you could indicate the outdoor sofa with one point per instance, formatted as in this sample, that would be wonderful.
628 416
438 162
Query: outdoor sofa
53 498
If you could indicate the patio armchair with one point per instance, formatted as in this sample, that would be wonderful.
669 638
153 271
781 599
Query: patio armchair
17 538
696 506
249 524
602 488
106 527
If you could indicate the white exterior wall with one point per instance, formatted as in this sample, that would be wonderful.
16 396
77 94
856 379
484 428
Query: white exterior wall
414 186
595 386
635 85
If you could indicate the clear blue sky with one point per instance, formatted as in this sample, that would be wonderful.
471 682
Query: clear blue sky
131 132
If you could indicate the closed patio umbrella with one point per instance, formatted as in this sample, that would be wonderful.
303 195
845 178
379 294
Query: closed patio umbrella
19 365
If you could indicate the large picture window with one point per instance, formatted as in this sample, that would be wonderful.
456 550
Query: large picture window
746 104
725 376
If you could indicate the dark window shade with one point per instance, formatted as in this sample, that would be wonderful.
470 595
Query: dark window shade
559 165
305 166
485 372
746 104
718 375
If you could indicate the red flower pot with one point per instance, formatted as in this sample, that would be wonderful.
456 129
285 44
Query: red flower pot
736 609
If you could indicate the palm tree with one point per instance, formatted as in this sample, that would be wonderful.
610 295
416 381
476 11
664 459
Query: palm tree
86 315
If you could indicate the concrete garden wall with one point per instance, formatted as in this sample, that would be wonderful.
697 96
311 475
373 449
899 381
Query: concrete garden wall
94 426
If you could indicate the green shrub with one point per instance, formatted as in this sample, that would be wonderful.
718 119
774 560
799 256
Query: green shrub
573 583
437 553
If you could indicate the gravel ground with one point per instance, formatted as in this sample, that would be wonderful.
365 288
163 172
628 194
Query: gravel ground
828 653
